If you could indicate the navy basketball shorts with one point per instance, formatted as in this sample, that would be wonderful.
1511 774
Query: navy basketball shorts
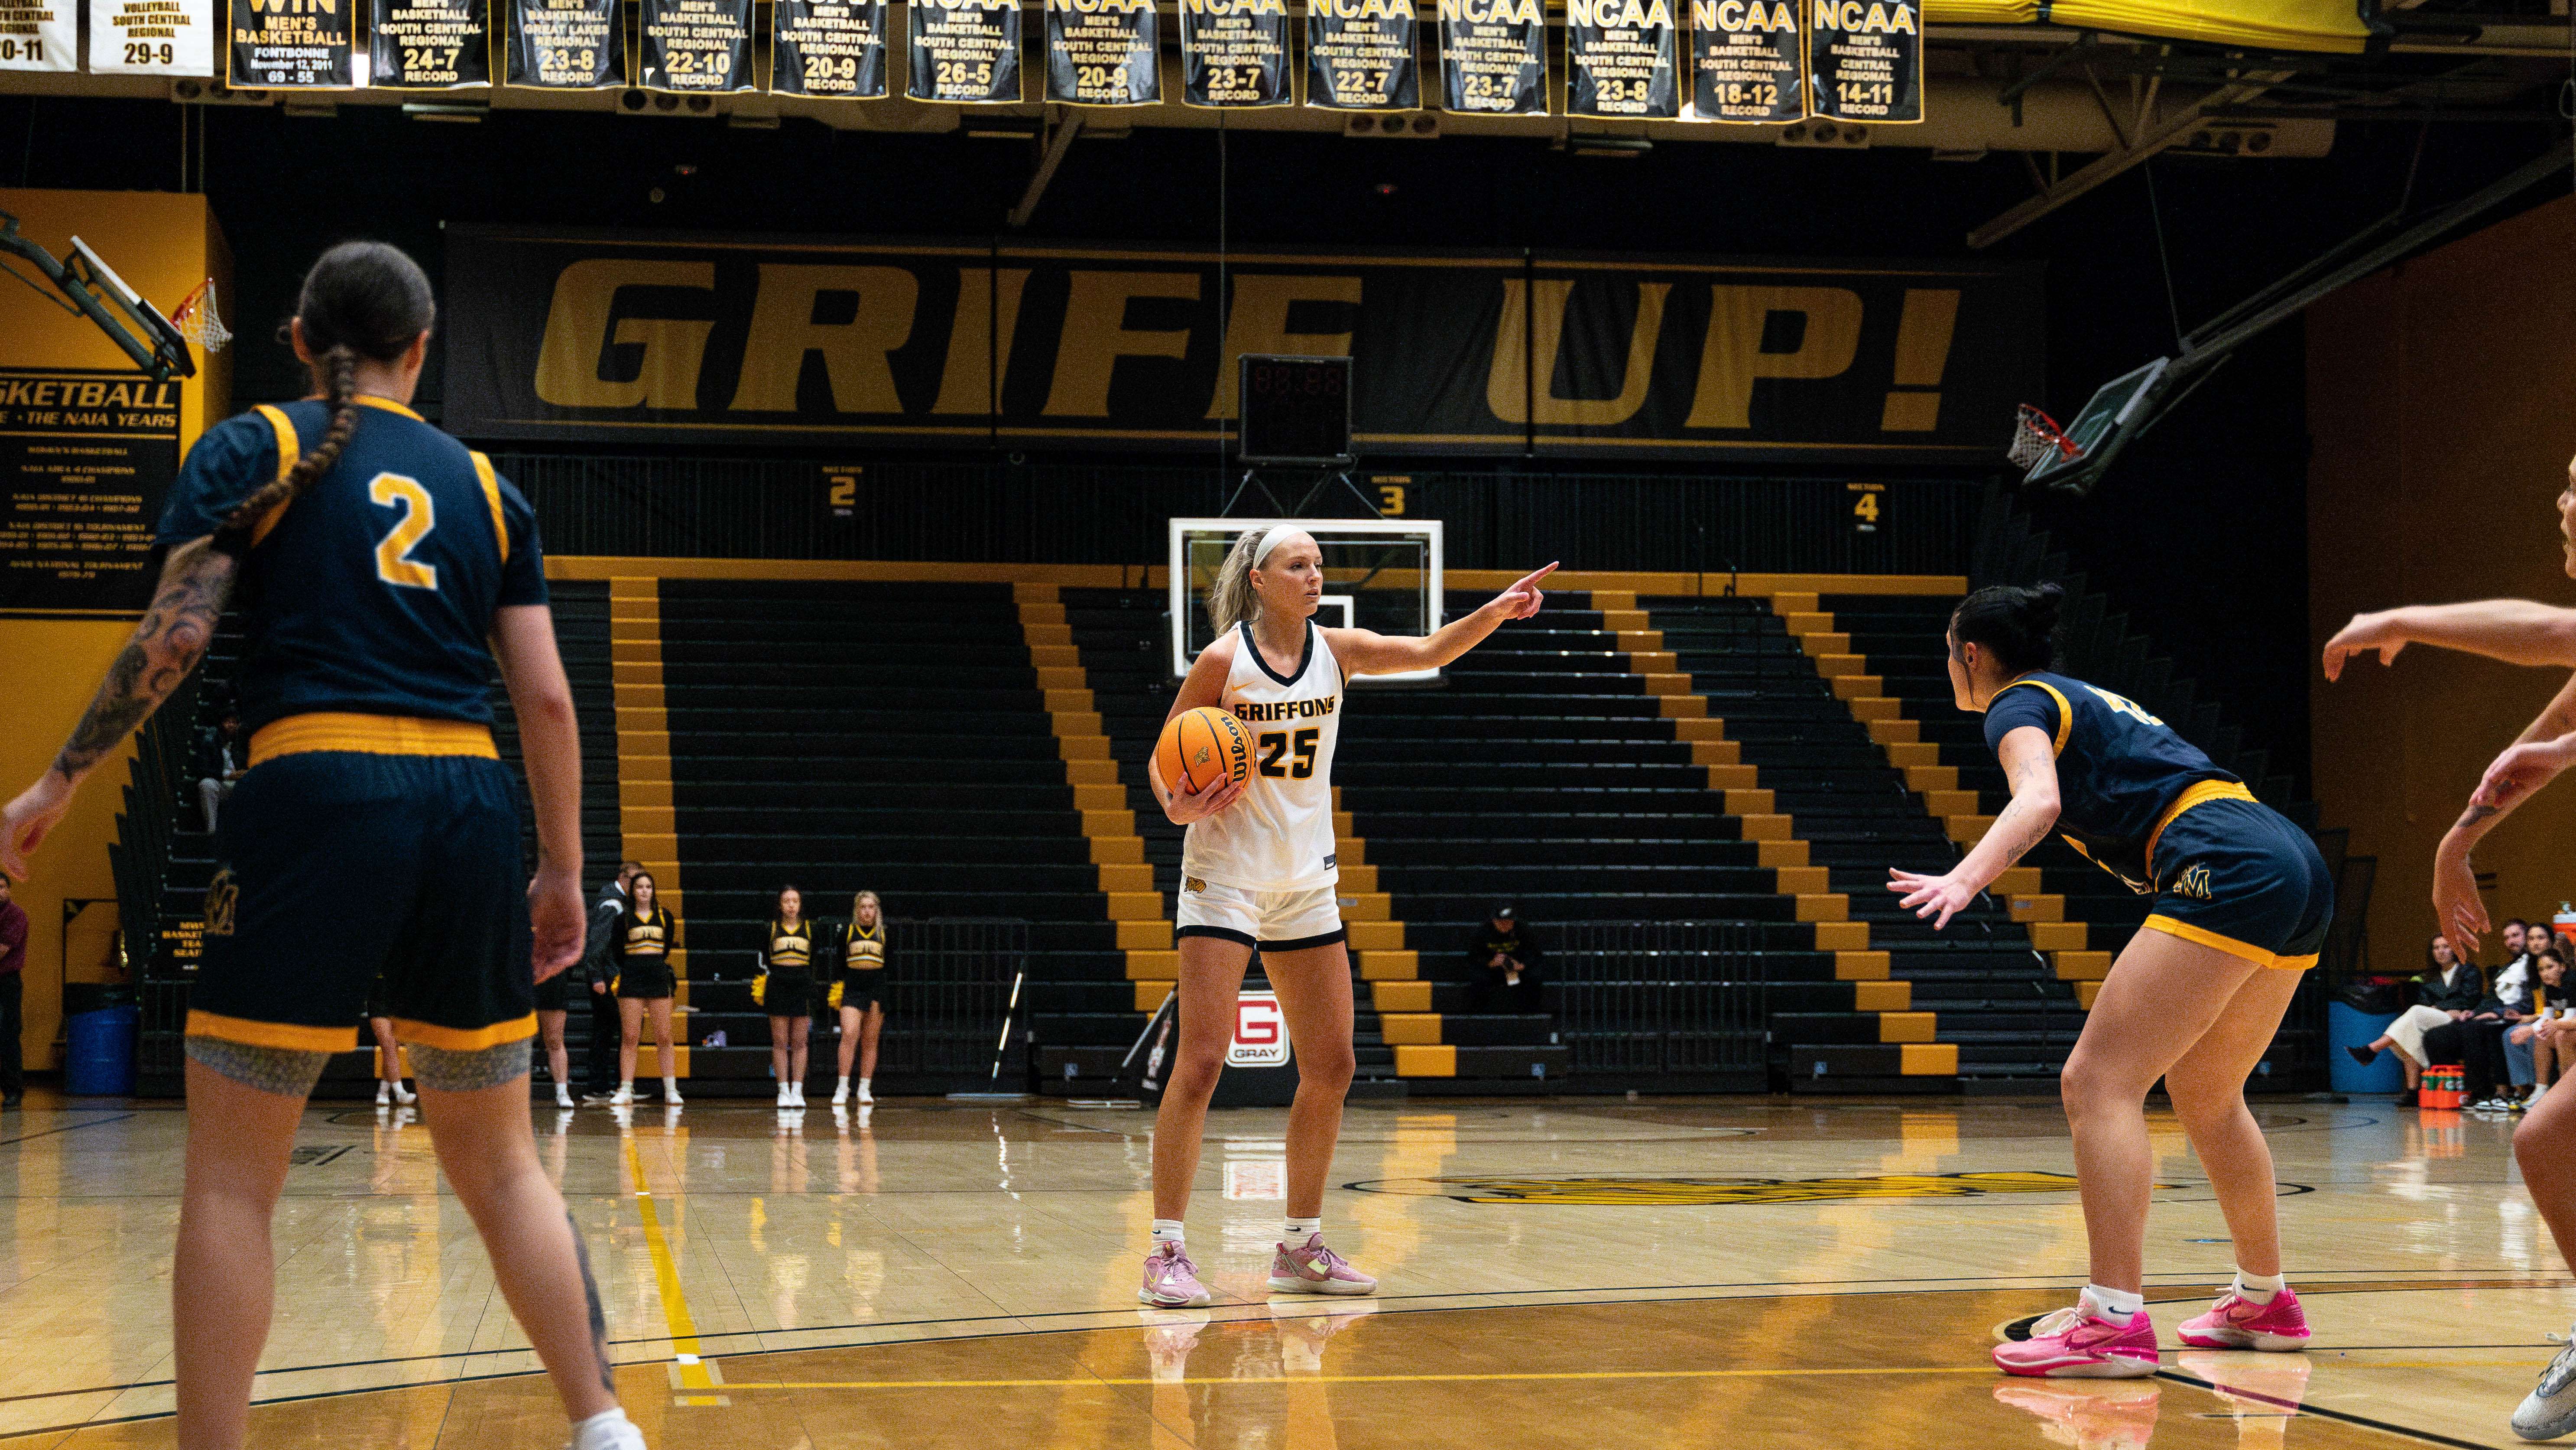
338 865
2238 876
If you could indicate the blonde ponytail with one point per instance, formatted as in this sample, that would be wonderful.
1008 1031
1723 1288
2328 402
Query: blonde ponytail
1232 601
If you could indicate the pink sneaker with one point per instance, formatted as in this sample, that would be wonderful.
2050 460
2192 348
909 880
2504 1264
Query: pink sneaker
2071 1344
1172 1281
2236 1322
1315 1269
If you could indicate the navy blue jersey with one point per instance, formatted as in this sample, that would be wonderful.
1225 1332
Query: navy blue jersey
2119 769
373 593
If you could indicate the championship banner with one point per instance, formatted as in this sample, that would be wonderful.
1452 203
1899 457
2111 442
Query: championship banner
1745 61
282 45
1493 57
152 37
39 35
829 48
1234 53
1359 56
428 44
89 456
1620 59
572 45
1103 52
964 51
697 45
833 343
1865 60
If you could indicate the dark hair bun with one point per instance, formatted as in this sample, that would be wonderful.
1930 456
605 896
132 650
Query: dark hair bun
2017 626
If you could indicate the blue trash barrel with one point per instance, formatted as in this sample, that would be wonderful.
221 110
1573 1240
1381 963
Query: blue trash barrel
102 1053
2347 1027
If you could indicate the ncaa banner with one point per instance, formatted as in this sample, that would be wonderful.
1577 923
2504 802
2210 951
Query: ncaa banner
1359 56
1620 59
152 37
697 45
428 44
290 45
965 52
1865 60
827 342
570 45
1103 52
1234 53
828 48
1493 57
39 35
1745 62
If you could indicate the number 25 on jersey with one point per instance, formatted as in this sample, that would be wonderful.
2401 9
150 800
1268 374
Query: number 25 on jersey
2126 706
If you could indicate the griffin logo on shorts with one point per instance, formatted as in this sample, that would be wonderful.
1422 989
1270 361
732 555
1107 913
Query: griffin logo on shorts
222 896
1192 883
2194 883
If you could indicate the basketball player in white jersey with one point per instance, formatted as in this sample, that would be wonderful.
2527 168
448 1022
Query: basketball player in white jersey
1258 869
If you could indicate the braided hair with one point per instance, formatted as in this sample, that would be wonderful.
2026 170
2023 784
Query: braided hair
361 300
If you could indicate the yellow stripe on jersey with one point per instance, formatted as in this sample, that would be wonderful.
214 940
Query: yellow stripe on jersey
289 449
2065 711
286 1035
465 1039
369 735
492 495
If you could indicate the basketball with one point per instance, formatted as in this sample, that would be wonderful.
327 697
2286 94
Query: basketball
1203 747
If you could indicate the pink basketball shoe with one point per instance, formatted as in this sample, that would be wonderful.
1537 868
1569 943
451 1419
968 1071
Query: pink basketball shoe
2071 1344
1311 1268
1172 1281
2236 1322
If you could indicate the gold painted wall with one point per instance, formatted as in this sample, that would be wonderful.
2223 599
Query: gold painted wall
162 244
2442 405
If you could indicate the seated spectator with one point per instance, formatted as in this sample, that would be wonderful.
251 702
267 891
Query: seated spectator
1504 957
2536 1060
217 765
2447 990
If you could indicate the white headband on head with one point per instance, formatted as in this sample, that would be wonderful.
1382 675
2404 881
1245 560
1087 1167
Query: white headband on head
1270 538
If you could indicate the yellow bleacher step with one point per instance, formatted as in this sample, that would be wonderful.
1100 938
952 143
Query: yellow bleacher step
1150 994
635 672
1091 772
1735 779
1928 778
1803 601
1051 635
1633 640
1780 853
2085 992
1801 880
1117 850
1967 830
1367 906
1929 1059
1426 1062
1627 620
1652 662
1715 752
1861 966
1099 797
650 820
1409 1029
1391 966
1054 656
1749 803
1135 905
1062 677
1669 684
1070 700
1895 732
1699 728
1866 708
1842 936
1153 966
1144 936
1906 757
1129 878
1825 906
1950 802
644 650
1121 822
1851 686
1359 878
1882 996
1350 851
2058 936
644 794
2018 880
1609 601
1392 996
1682 707
2035 906
1820 643
1906 1026
1376 936
1803 622
1766 828
648 1066
2081 966
1846 667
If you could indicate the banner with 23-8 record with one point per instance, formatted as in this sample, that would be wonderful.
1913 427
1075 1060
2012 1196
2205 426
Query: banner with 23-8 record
1493 57
570 45
1620 59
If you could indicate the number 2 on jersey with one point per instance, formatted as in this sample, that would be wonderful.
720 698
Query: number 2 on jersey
2125 706
394 563
1278 743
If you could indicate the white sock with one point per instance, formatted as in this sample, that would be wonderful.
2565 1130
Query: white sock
864 1084
2259 1288
626 1086
845 1085
1300 1229
2118 1305
597 1429
1167 1230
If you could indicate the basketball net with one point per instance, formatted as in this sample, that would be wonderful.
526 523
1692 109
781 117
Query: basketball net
196 320
2035 437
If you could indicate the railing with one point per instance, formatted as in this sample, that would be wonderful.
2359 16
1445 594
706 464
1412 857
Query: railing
948 993
140 860
1678 998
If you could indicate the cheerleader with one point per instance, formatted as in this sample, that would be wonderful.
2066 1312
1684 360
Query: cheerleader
647 935
862 993
786 988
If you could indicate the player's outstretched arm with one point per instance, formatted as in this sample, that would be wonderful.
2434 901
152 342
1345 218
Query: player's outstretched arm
1367 652
523 641
195 581
2546 747
2030 764
2515 631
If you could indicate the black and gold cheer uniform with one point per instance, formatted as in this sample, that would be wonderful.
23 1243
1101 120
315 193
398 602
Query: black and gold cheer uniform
642 953
2147 806
863 960
788 963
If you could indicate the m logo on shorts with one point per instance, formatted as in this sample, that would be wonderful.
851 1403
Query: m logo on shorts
222 896
1329 860
1192 883
2194 883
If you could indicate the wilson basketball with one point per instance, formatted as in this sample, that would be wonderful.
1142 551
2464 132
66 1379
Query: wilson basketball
1203 747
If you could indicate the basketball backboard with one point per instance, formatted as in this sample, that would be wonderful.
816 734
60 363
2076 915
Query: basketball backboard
1381 574
2118 411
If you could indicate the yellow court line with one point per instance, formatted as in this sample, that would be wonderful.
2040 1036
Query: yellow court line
1352 1379
666 1273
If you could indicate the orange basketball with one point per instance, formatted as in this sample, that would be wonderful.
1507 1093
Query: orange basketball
1201 748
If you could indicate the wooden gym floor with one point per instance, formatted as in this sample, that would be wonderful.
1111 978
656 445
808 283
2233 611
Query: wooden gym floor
1569 1272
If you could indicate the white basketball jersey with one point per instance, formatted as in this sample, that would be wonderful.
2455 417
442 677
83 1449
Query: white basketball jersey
1279 836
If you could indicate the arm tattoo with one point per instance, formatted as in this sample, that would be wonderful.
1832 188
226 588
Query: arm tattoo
2476 816
166 646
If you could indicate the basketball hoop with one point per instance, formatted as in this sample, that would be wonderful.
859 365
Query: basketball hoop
196 320
2036 437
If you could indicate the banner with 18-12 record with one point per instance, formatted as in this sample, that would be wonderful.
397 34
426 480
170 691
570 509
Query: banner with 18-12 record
1746 64
289 45
1865 60
567 44
428 44
829 48
966 52
1620 59
1493 57
1235 53
1103 52
697 45
1360 56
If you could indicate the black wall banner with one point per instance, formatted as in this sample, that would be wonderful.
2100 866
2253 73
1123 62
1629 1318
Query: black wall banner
1746 64
1493 57
1103 52
965 51
1234 53
1359 55
829 48
567 44
288 45
428 44
1620 59
1865 60
697 45
834 343
90 456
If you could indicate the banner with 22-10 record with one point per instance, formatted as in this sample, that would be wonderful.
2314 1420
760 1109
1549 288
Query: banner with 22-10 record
1493 57
1620 59
568 45
697 45
288 45
1865 60
1235 53
966 52
828 341
1103 52
829 48
1360 56
1746 64
428 44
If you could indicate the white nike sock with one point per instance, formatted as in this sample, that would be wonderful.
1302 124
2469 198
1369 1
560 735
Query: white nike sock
599 1429
845 1085
2259 1288
1167 1231
2114 1304
1300 1229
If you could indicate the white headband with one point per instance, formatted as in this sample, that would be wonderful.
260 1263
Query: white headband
1270 538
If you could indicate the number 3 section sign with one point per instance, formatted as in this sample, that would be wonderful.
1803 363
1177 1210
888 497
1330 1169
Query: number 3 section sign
1260 1033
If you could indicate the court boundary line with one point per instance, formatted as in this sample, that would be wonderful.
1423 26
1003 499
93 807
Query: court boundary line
2429 1437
